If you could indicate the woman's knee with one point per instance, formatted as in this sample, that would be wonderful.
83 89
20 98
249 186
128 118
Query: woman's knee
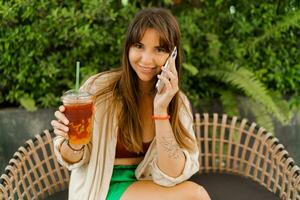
197 192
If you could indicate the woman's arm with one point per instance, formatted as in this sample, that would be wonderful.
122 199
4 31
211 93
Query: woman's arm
171 159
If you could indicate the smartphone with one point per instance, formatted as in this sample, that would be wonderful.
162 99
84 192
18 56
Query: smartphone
160 84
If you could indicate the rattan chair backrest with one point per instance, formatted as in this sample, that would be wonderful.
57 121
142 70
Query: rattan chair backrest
227 145
230 145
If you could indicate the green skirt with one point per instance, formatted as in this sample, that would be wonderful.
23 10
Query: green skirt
122 177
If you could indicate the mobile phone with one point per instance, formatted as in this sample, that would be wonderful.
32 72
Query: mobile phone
160 84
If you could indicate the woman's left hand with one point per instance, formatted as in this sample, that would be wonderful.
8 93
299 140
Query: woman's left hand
163 99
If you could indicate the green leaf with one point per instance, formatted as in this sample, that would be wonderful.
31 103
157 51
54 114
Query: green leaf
190 68
28 103
124 2
229 103
214 45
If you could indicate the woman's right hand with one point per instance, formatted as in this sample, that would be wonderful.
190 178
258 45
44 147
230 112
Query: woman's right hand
60 124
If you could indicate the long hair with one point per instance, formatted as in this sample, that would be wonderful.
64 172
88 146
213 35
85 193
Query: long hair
124 85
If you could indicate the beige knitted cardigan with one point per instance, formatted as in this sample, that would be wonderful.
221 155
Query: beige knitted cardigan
90 177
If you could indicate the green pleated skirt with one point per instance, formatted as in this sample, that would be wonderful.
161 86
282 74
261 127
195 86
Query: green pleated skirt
122 177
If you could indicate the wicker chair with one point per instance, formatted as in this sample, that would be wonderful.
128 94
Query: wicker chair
227 146
33 172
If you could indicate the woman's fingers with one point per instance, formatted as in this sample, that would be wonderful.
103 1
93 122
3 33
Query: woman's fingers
61 133
60 125
172 77
60 129
62 108
61 117
172 80
166 81
173 67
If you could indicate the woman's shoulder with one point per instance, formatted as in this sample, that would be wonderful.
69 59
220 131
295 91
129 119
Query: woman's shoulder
186 106
184 99
100 80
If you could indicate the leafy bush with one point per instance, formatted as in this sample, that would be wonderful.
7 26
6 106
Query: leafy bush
237 48
42 40
231 48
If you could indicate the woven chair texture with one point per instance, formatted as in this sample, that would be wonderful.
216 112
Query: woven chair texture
33 172
227 145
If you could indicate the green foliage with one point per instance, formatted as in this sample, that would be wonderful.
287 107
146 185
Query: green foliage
40 42
243 79
231 48
244 48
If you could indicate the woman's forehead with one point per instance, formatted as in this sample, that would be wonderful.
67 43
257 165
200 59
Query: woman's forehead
153 36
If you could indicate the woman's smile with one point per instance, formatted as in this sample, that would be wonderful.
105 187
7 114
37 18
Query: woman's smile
147 70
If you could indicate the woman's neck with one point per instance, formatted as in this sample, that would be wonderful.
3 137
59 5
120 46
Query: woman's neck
146 88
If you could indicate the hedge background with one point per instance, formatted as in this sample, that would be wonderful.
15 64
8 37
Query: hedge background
40 42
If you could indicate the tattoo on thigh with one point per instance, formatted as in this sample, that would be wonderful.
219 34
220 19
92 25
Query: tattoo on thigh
170 145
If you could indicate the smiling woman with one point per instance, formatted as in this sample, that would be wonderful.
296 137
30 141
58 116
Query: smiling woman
143 144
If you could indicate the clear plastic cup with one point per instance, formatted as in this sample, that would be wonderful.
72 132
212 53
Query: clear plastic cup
79 111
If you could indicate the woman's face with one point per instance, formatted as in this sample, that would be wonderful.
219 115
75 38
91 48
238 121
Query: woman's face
147 57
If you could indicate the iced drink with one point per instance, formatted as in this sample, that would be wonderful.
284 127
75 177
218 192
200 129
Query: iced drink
79 112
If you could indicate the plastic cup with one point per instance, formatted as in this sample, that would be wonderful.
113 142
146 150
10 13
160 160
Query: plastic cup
79 111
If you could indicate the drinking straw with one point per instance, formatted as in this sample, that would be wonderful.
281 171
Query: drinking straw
77 75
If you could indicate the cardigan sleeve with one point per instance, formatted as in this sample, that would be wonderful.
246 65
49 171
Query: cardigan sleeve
191 161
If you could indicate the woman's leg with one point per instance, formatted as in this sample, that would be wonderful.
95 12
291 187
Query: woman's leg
148 190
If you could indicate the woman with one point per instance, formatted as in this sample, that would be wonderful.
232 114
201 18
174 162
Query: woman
143 144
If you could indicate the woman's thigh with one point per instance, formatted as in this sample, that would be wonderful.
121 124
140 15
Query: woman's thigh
149 190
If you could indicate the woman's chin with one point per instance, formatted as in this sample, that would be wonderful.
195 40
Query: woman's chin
146 79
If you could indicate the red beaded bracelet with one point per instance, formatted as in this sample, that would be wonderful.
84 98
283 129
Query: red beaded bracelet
160 117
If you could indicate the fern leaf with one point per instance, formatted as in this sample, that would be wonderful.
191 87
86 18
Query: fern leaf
262 116
245 80
229 103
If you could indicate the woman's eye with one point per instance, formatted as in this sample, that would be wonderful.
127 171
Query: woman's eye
161 49
138 46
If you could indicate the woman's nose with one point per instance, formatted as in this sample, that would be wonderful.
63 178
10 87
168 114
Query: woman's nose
147 58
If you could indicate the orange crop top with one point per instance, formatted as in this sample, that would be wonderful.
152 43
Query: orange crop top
122 152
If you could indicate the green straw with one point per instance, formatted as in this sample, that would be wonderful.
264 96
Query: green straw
77 75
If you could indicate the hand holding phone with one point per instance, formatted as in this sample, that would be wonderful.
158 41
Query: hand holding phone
160 84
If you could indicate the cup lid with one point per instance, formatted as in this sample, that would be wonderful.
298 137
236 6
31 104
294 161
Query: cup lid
73 96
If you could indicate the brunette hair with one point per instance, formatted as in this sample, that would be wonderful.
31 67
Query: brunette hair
124 85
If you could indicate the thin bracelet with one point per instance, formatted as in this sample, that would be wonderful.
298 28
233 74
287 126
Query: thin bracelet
76 151
160 117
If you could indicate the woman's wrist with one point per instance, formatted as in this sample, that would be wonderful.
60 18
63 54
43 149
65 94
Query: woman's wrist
160 114
160 111
74 147
71 155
